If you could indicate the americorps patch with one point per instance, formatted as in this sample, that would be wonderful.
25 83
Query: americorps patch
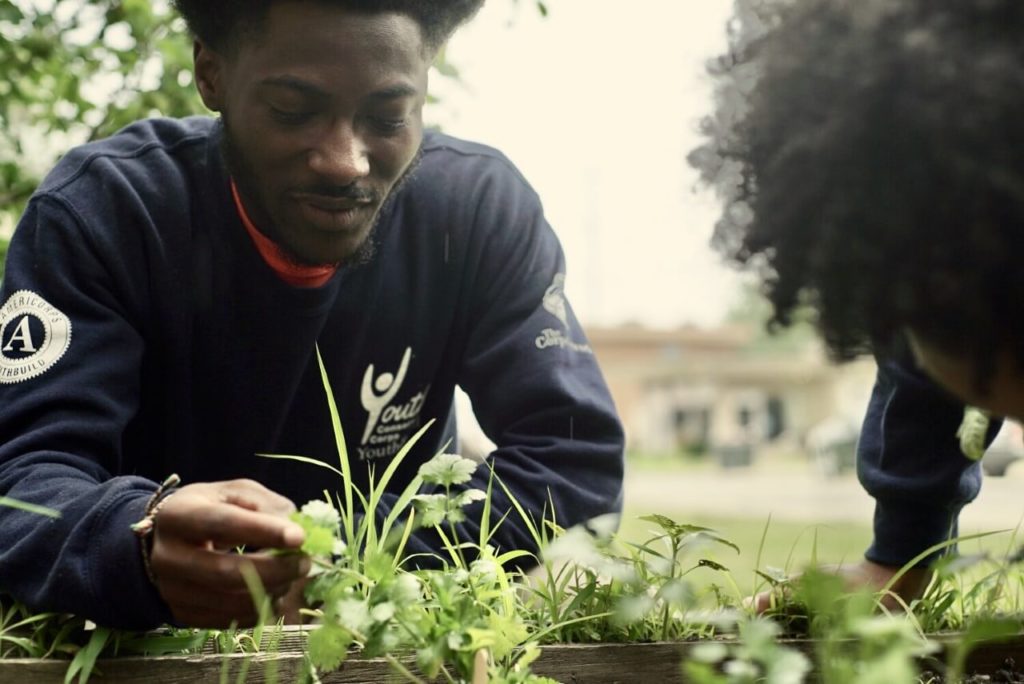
33 336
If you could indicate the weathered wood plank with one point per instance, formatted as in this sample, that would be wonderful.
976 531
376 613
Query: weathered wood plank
613 663
571 664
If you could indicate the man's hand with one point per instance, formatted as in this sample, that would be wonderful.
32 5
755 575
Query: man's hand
869 576
192 559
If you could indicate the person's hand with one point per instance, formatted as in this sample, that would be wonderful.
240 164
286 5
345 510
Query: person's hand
193 561
865 575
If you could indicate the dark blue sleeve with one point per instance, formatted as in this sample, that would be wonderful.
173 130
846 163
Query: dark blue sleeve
61 427
528 369
909 460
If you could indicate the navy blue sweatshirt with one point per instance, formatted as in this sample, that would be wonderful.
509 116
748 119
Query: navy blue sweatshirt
141 333
909 459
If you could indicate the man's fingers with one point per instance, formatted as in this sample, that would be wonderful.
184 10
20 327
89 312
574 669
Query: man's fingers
197 573
764 601
759 602
862 576
198 520
197 606
223 571
228 525
254 496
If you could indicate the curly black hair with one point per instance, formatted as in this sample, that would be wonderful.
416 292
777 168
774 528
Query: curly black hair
218 22
870 154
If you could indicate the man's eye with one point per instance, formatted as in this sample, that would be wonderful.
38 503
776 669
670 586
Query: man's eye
290 118
389 125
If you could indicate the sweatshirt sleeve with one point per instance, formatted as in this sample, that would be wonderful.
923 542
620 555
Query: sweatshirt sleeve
909 460
69 381
529 370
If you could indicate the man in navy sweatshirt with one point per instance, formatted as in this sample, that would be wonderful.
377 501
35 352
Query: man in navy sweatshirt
168 288
876 175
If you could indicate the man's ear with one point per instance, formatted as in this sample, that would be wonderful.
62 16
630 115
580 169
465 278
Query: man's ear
209 68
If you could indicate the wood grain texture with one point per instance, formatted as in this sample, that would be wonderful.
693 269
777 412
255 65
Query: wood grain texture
571 664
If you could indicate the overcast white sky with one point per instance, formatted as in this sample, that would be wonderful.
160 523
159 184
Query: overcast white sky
598 105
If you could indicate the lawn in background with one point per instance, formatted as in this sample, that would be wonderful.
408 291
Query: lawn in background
790 546
787 545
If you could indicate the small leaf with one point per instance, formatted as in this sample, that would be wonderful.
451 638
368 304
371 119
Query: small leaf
85 660
382 612
319 542
322 513
710 652
430 508
708 563
448 469
464 498
328 646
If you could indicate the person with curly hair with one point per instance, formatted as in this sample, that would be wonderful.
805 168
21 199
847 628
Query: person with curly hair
871 158
176 294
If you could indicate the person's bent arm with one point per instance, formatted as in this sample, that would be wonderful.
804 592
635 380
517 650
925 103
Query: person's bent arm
69 384
528 368
909 461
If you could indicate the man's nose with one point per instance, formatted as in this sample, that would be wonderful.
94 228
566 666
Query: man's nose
340 155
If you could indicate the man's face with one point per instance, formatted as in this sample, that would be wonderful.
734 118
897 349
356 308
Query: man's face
1004 395
322 110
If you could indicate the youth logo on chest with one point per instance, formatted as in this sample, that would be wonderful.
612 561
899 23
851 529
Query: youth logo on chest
33 337
388 425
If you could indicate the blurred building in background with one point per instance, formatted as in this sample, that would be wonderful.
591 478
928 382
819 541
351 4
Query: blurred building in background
725 393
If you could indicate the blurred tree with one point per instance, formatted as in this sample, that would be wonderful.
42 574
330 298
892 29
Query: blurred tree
751 308
76 70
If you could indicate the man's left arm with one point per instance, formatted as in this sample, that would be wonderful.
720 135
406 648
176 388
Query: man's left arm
531 374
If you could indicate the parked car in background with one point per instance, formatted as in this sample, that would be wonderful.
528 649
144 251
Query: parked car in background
832 445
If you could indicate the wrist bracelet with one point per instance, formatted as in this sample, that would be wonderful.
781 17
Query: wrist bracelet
143 529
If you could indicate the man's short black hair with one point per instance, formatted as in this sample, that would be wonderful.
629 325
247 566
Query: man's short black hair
218 22
871 158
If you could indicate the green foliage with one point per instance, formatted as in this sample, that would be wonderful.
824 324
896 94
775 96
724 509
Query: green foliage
79 71
26 634
367 600
595 589
756 657
319 521
31 508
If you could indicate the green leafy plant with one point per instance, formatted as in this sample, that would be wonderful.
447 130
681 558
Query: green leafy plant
594 588
31 508
364 597
757 656
476 616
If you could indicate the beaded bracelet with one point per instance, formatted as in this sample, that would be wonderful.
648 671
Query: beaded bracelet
144 528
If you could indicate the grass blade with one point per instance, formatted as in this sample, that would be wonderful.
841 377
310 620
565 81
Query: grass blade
31 508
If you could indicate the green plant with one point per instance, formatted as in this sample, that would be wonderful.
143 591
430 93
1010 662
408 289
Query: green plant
477 614
31 508
756 657
363 596
594 588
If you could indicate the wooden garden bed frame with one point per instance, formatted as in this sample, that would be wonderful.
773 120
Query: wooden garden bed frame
572 664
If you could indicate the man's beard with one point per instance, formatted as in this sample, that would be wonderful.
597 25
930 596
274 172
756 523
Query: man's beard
245 180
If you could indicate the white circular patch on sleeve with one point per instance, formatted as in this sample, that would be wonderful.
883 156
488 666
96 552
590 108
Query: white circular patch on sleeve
33 337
